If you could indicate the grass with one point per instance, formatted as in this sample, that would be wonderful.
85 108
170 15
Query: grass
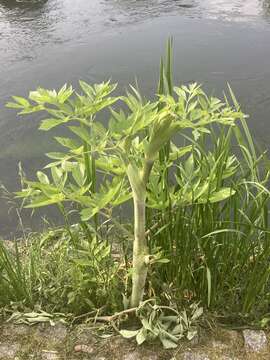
219 252
55 273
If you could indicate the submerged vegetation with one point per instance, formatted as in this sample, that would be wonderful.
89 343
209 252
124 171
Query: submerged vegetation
200 200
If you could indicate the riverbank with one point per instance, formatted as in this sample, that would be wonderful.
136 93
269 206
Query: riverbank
60 342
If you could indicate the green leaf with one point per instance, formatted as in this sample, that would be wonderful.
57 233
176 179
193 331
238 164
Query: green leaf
128 334
67 142
56 155
221 195
22 101
44 201
209 285
49 124
102 199
78 173
88 89
191 334
189 166
81 133
198 312
57 174
43 178
141 336
167 343
176 153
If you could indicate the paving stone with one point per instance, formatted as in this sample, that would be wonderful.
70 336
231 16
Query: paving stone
52 334
86 349
132 356
8 351
189 355
84 335
219 345
15 330
50 355
255 341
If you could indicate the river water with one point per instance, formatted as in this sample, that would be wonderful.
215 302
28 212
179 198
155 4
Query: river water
48 43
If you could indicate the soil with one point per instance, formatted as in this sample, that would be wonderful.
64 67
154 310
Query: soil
59 342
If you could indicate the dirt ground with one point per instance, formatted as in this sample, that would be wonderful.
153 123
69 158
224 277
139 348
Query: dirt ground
45 342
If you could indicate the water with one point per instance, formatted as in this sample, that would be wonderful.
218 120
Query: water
51 42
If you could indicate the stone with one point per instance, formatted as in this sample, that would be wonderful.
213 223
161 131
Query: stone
84 335
140 354
255 341
151 357
189 355
231 337
15 330
84 349
53 334
219 345
50 355
8 351
132 356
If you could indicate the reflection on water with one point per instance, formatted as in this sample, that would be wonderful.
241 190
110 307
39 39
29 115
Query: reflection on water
49 42
27 25
36 23
23 4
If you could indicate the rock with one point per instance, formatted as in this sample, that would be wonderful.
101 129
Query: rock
188 355
84 349
84 335
219 345
8 351
151 357
132 356
255 341
50 355
15 330
52 334
140 354
232 337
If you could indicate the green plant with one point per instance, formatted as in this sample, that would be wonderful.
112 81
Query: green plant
57 273
164 323
127 149
218 252
14 284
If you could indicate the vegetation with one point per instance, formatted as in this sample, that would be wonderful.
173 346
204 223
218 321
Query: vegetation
200 201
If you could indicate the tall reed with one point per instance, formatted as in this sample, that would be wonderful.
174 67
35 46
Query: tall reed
219 252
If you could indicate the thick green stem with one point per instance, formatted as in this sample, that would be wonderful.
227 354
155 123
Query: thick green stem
138 181
140 252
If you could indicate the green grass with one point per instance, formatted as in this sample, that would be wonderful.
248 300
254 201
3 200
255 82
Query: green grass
219 252
59 274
